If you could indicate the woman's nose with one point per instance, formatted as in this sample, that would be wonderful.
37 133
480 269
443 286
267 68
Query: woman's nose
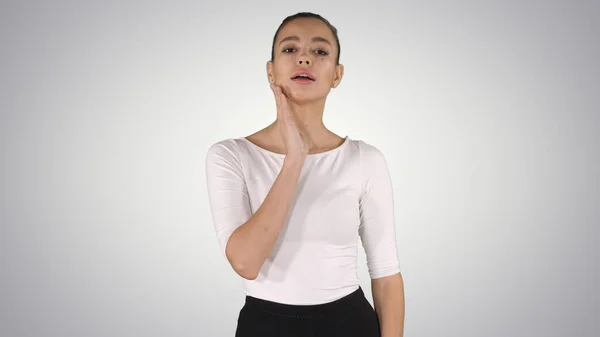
304 60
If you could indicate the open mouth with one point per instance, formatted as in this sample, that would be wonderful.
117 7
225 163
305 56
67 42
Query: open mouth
303 76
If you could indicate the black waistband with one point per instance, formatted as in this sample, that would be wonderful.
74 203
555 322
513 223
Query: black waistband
283 309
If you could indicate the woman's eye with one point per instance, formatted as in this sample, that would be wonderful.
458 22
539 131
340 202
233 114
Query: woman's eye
319 51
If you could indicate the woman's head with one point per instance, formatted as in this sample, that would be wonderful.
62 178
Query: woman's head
305 42
309 15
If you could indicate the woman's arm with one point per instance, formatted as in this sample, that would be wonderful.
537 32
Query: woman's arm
251 243
247 239
378 236
388 298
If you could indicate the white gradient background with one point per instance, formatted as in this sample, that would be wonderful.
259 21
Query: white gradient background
488 114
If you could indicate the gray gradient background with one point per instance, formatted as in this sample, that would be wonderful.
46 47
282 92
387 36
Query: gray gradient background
488 113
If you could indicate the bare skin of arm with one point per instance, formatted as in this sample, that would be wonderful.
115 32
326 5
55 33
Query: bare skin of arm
251 243
388 298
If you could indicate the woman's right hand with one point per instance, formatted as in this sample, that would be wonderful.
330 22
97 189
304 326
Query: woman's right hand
295 139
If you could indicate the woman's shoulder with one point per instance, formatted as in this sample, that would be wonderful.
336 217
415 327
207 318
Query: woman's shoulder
225 143
365 149
227 148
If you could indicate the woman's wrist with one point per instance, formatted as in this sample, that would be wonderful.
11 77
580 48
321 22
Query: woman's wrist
294 159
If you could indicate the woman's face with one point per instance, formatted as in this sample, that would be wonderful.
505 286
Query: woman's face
305 45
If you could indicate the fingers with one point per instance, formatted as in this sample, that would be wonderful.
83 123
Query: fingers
276 92
274 89
283 110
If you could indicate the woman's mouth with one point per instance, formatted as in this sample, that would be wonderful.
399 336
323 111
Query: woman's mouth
303 77
302 80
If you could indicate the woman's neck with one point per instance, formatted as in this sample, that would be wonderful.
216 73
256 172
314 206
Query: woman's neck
310 117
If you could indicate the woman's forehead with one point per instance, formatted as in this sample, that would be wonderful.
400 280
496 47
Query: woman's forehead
305 30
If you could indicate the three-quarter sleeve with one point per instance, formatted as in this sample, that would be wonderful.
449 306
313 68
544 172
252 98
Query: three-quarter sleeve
227 190
377 224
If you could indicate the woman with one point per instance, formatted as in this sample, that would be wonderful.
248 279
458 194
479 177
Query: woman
290 202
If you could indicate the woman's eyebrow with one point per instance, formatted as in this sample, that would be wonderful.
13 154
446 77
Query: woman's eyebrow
296 38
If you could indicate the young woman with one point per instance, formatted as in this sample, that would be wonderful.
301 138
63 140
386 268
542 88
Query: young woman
291 201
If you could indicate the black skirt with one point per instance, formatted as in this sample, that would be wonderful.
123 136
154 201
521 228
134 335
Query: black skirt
350 316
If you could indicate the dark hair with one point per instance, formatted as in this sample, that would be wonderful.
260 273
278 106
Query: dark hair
307 15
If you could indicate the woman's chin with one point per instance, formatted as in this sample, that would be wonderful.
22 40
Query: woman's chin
306 96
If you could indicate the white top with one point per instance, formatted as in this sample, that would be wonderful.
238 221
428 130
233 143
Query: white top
343 195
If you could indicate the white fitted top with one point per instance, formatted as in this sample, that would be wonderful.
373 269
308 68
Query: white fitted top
343 196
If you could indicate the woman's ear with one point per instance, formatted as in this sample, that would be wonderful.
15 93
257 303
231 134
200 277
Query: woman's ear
270 76
339 73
